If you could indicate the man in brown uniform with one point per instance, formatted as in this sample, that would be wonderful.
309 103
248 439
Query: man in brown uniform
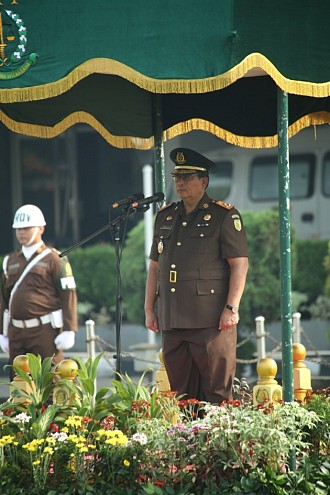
38 300
197 273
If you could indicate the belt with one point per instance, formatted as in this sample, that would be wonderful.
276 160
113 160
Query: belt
32 322
175 276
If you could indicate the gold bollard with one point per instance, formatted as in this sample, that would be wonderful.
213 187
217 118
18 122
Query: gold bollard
302 382
161 379
18 383
267 388
67 370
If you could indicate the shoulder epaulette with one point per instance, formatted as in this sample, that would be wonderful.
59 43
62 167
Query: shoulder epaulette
167 206
228 206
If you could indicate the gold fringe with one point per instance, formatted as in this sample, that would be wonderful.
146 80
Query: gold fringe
138 143
314 119
48 132
109 66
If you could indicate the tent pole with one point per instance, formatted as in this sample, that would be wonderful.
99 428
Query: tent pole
160 183
285 244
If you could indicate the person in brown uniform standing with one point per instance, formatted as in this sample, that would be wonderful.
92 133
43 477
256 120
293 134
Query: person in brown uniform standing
196 278
38 300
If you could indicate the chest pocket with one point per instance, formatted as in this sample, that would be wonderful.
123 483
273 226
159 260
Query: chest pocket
36 276
12 275
204 238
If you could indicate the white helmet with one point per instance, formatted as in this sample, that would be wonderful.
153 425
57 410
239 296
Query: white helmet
28 216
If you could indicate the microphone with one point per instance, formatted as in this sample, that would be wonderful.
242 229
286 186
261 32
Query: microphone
128 201
158 196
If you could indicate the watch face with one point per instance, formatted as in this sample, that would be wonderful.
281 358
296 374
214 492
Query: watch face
233 309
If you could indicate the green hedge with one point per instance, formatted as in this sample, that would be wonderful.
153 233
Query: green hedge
310 274
94 269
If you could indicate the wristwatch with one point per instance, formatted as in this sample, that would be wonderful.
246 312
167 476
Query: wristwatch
233 309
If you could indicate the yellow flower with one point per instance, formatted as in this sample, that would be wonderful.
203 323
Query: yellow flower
48 450
6 440
36 463
51 440
126 463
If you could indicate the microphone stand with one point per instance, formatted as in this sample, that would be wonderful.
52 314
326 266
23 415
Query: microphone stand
114 227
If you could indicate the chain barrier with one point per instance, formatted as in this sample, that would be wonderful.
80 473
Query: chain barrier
107 347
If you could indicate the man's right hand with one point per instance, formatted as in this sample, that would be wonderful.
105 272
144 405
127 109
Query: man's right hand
152 321
4 344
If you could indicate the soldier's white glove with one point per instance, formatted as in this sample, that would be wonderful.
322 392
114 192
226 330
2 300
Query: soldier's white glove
65 340
4 344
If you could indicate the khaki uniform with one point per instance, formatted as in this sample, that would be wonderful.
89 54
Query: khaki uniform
193 282
47 287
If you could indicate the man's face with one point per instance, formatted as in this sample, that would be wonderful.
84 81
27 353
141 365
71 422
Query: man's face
28 234
190 186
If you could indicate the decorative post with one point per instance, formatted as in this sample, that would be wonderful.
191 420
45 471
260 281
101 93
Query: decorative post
18 383
267 388
62 395
162 382
301 374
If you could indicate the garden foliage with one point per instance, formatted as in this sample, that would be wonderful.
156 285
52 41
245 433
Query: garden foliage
130 439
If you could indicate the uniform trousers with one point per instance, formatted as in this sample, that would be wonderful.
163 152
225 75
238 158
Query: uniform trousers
37 340
201 363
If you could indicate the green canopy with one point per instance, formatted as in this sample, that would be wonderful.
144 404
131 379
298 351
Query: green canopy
103 62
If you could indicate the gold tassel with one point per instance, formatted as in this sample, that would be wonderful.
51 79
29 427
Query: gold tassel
253 62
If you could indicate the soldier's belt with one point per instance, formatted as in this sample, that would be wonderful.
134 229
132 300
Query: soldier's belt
32 322
176 276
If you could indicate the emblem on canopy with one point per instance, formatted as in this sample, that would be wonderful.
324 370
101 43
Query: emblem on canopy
14 59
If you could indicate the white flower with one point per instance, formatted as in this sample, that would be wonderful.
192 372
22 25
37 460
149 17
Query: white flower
141 438
60 436
22 418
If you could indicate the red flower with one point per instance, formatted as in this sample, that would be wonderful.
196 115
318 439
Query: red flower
53 428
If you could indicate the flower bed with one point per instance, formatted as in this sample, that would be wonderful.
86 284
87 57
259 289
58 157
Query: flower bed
129 439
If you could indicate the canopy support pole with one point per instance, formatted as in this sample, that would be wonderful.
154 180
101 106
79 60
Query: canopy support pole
285 244
160 182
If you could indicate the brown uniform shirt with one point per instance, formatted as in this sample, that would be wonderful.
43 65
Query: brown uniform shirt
47 287
193 275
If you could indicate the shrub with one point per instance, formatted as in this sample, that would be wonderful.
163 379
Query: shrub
310 274
94 269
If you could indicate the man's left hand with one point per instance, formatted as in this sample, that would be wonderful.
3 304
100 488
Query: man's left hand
65 340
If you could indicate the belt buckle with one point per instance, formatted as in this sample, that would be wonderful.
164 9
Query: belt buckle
173 276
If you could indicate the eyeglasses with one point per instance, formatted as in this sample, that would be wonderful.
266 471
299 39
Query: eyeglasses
184 177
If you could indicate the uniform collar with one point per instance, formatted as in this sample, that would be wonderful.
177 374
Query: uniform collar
29 251
202 205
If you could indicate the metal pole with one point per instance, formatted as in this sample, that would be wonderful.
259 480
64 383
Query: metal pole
90 338
148 215
160 182
296 327
261 342
285 244
148 227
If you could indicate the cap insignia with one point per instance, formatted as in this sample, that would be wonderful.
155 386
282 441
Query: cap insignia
180 157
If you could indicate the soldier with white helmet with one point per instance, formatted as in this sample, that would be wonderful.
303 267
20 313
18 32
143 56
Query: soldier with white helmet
38 300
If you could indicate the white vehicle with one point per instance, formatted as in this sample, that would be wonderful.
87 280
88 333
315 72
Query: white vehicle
248 178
